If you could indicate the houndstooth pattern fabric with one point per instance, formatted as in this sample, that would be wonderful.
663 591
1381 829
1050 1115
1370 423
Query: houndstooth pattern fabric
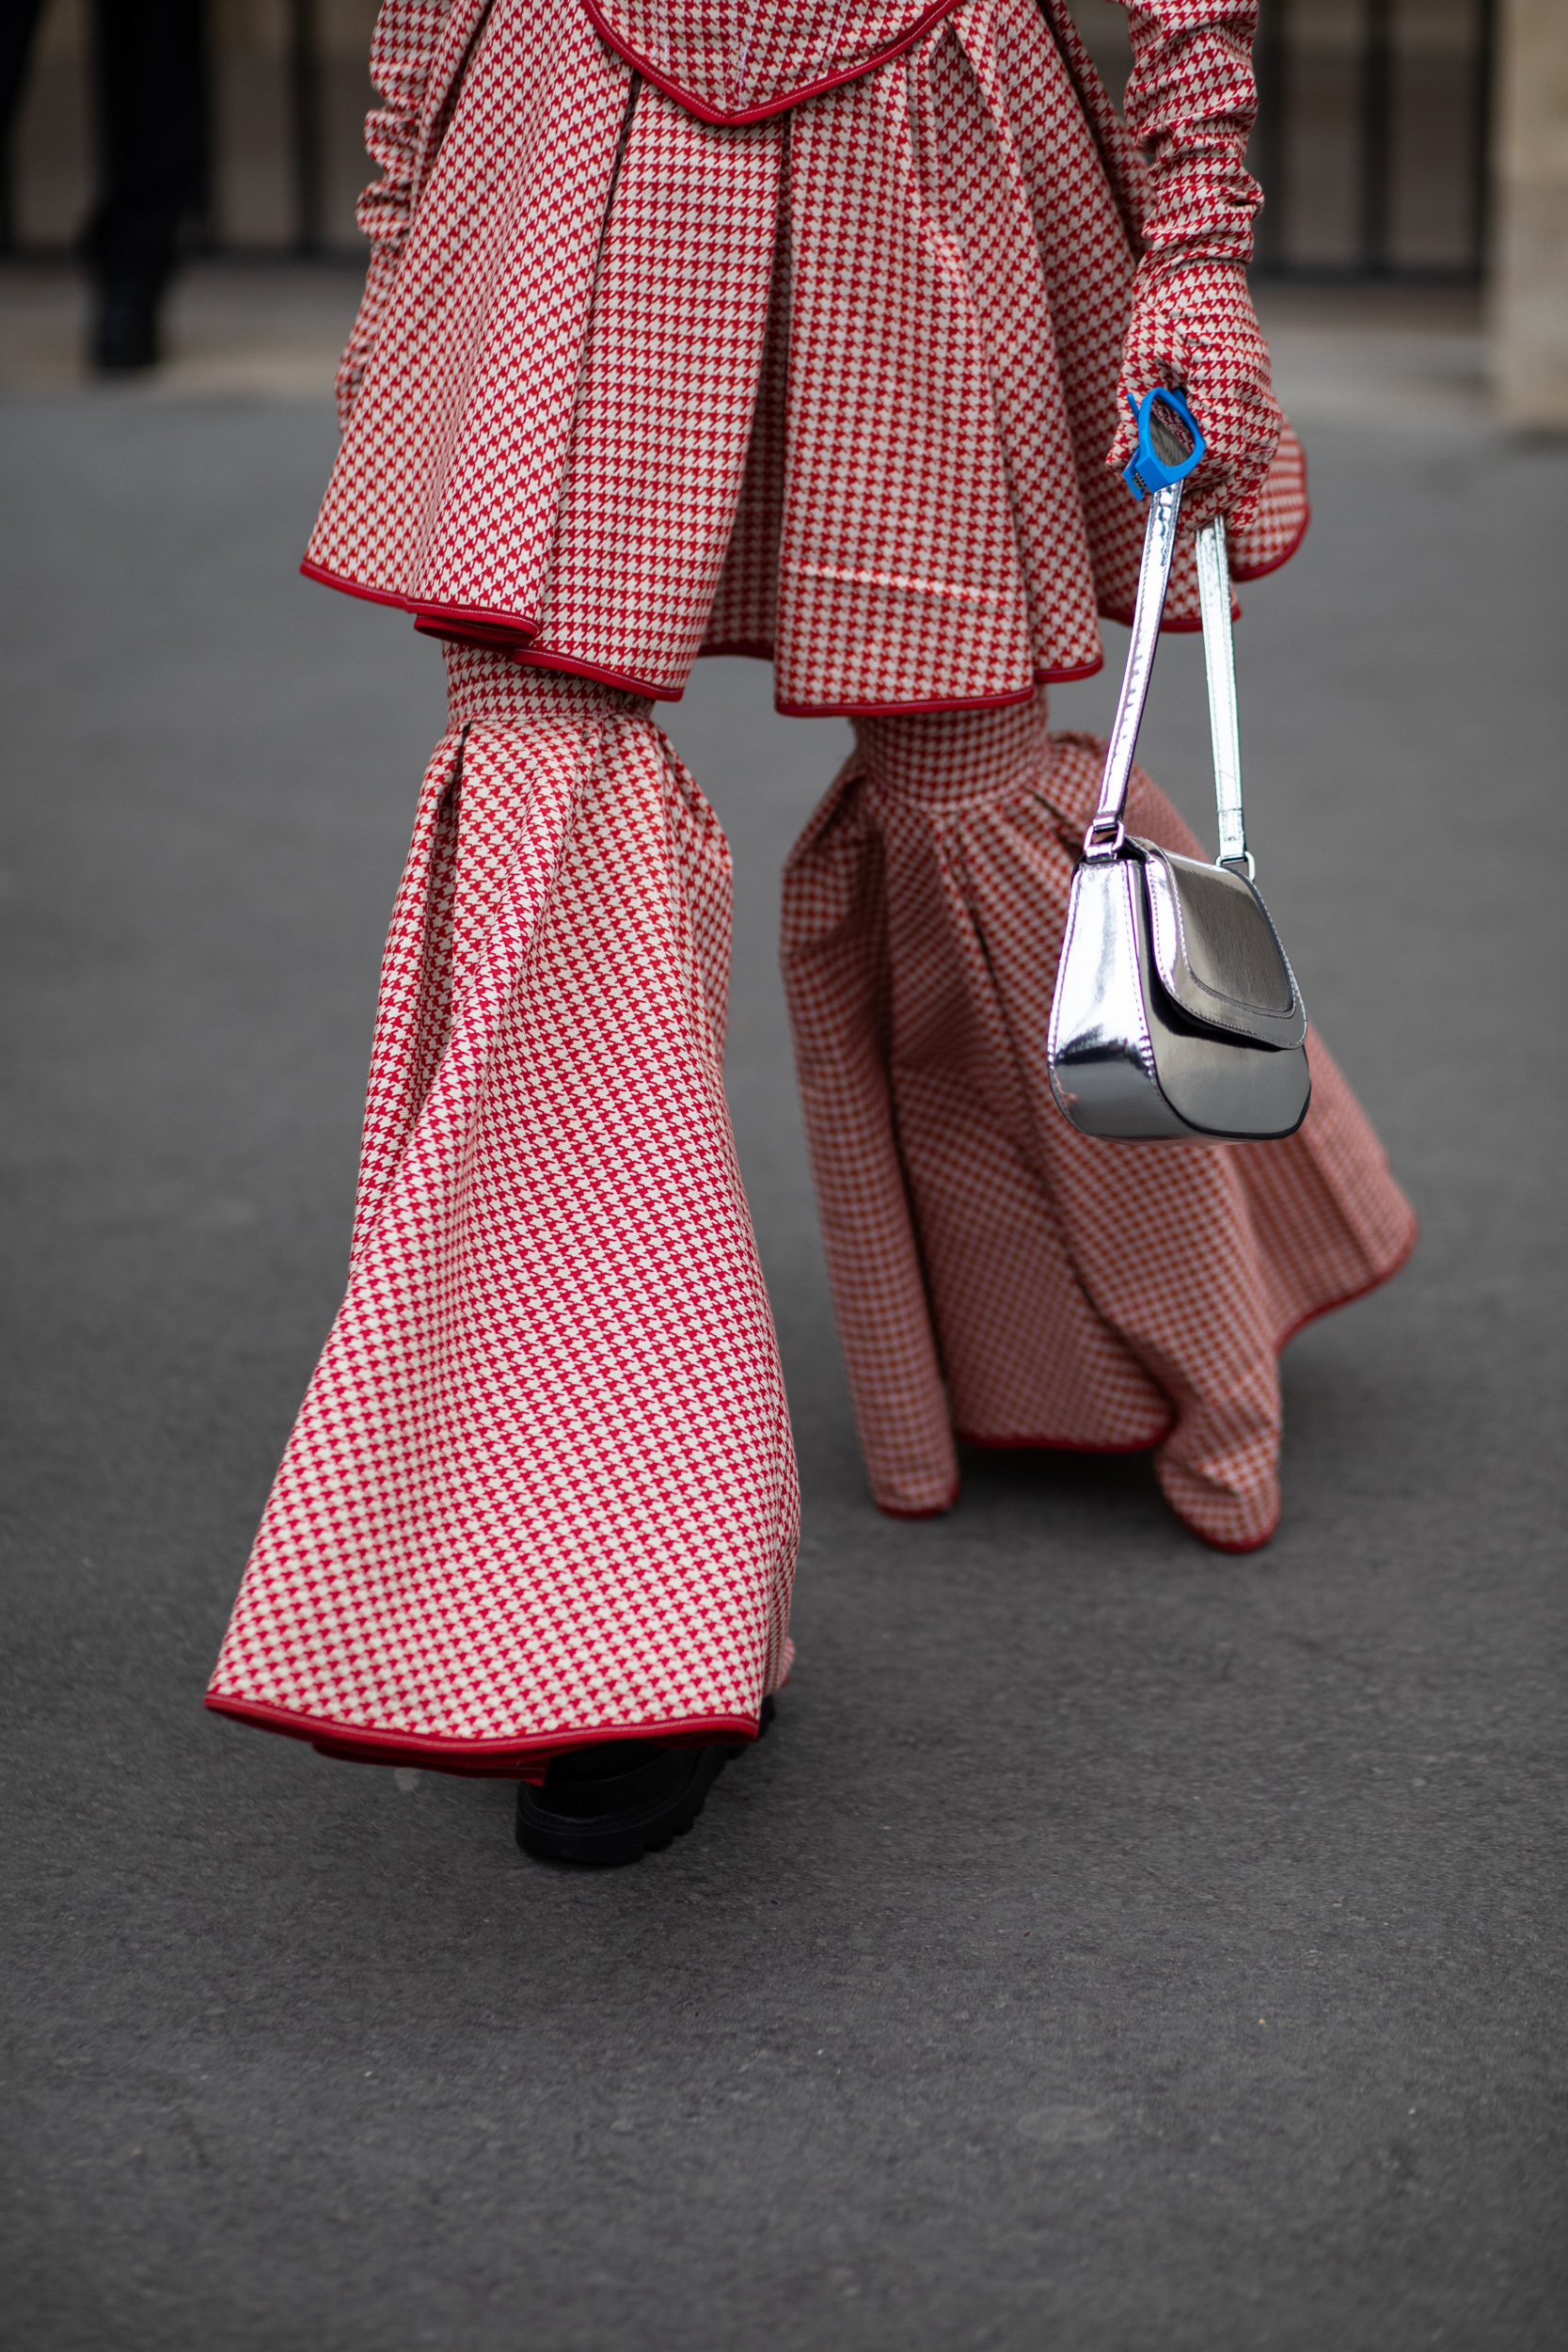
542 1486
915 288
835 386
1191 102
898 575
445 492
1198 332
403 50
997 1276
681 418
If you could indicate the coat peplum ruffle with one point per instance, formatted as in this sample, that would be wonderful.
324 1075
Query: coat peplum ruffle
835 385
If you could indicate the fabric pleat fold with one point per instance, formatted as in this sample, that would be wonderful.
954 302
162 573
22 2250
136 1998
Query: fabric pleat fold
836 387
997 1276
542 1486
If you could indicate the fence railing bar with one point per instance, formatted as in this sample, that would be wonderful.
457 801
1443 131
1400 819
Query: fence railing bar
1377 112
1278 62
305 126
1480 135
1271 63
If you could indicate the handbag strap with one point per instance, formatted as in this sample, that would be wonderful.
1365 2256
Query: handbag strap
1105 835
1219 661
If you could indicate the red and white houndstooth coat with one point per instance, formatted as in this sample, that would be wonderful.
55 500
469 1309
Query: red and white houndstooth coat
794 332
654 362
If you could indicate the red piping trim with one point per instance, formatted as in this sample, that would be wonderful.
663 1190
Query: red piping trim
1238 571
511 632
901 710
469 633
930 1511
1216 1543
531 658
706 113
522 624
351 587
1262 571
1061 1445
1315 1314
760 651
491 1758
515 624
541 658
477 1759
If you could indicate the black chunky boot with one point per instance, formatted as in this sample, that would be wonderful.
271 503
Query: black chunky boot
620 1799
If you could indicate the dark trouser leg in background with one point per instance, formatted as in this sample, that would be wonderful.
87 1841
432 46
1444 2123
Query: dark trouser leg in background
151 102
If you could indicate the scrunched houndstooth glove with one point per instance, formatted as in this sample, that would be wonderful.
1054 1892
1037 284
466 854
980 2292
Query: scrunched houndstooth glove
402 47
1190 103
1197 330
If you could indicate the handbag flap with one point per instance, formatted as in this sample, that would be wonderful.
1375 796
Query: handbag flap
1216 953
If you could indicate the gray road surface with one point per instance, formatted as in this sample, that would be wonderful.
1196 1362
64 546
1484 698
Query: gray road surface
1116 1948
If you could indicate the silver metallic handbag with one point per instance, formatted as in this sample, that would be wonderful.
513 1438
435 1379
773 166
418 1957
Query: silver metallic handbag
1176 1010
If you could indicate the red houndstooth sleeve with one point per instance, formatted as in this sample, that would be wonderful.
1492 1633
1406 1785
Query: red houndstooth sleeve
1191 100
401 48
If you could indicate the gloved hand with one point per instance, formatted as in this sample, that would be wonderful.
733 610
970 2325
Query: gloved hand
1195 330
1190 105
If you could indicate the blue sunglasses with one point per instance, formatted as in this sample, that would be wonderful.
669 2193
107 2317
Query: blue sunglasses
1158 459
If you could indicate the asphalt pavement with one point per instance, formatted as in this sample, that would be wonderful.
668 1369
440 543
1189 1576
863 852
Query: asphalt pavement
1115 1946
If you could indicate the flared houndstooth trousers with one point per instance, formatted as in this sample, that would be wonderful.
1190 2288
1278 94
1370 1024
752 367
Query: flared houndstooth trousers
542 1486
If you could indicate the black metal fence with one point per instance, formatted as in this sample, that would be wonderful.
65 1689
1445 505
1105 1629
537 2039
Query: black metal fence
287 92
1374 137
1371 140
306 118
